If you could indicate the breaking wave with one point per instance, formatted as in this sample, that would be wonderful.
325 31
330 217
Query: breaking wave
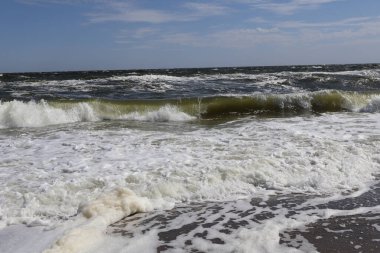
37 114
41 113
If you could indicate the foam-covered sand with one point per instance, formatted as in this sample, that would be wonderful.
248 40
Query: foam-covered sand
275 223
279 223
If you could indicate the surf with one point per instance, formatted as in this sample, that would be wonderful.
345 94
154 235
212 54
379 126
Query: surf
16 113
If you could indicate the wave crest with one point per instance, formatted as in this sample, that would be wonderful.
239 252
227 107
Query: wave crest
38 114
163 114
372 106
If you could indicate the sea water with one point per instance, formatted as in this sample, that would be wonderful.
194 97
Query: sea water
82 150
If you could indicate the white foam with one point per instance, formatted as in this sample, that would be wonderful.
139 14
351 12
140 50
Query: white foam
371 73
372 106
162 83
98 214
143 242
148 78
36 114
55 84
23 239
59 170
154 83
163 114
46 174
251 236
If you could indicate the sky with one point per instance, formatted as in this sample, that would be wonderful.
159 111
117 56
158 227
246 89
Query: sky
61 35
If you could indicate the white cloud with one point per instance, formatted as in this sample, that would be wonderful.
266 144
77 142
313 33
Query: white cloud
368 30
39 2
117 11
261 32
288 7
334 31
248 38
259 20
126 12
233 38
143 32
284 34
356 21
206 9
129 11
128 36
185 39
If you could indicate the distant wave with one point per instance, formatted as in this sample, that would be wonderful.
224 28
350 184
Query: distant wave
279 76
152 78
149 77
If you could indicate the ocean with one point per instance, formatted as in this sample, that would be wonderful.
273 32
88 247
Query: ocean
244 159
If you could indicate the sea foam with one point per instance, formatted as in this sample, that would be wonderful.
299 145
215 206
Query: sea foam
97 215
163 114
61 170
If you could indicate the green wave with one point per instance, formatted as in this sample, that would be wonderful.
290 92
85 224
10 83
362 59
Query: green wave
216 107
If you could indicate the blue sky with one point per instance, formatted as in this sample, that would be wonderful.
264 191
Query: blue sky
53 35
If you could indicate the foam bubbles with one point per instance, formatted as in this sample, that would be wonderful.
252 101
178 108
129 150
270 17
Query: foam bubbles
100 213
163 114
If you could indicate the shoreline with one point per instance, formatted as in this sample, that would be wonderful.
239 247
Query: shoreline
349 225
281 223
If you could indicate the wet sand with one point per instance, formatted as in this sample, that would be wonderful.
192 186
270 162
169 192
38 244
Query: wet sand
215 222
